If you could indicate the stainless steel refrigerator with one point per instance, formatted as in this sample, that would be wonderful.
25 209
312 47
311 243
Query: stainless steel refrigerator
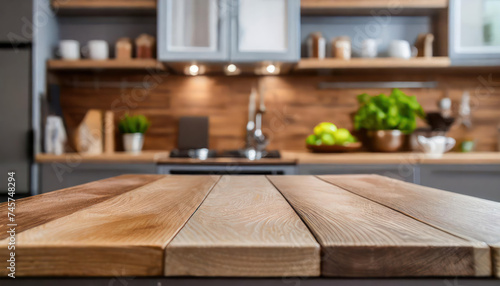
15 93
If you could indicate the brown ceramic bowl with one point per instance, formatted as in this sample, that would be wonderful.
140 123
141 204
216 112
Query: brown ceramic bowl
386 140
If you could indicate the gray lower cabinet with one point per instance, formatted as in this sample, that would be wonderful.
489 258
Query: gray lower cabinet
482 181
55 176
408 173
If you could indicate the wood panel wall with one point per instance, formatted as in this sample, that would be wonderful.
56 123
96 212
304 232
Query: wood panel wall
295 104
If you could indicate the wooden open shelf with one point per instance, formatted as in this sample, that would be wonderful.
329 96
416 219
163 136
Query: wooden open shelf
133 64
376 63
366 7
99 7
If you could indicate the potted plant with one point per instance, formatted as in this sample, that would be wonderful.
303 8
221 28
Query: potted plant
133 129
387 119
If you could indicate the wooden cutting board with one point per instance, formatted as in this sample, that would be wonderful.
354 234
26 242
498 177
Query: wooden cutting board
244 228
360 238
458 214
124 235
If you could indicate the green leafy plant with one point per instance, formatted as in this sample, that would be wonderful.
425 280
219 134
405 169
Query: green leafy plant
381 112
134 124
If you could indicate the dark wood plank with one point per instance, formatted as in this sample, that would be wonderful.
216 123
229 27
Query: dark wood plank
361 238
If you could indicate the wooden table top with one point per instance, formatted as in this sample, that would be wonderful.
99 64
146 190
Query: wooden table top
253 226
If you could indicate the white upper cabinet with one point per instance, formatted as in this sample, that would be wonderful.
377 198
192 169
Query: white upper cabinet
229 30
475 32
193 30
265 30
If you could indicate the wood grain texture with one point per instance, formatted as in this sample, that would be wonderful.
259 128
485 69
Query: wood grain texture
123 236
495 248
104 4
379 63
37 210
288 157
295 103
360 238
461 215
133 64
244 228
338 4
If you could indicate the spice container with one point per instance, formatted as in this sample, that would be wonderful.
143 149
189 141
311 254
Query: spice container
123 49
145 46
316 46
341 48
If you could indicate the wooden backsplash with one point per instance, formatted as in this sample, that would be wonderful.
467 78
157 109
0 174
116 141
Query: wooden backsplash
294 103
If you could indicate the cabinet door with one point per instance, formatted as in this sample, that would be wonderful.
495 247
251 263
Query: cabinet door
16 21
15 146
482 181
190 30
407 173
265 30
475 31
56 176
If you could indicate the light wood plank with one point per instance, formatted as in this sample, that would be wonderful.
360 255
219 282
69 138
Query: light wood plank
244 228
460 214
339 4
104 4
360 238
123 236
455 213
37 210
135 64
379 63
495 248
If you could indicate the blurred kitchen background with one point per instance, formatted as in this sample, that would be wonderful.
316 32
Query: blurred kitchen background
92 89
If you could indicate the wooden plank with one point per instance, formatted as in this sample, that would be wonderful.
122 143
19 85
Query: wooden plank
461 215
495 248
456 213
123 236
338 4
104 4
133 64
368 7
360 238
378 63
243 228
35 211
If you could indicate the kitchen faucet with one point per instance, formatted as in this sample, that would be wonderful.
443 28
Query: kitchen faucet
256 141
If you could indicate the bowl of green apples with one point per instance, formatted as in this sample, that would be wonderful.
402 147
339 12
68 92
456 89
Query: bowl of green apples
327 138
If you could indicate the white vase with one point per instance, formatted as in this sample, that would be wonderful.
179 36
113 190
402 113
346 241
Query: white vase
132 142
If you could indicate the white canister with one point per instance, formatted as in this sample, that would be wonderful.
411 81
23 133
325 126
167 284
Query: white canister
133 142
369 48
97 50
69 49
400 49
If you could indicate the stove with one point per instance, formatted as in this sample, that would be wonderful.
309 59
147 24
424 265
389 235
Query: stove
203 154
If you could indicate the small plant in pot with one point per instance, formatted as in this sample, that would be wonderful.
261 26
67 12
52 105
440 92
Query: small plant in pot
387 120
133 129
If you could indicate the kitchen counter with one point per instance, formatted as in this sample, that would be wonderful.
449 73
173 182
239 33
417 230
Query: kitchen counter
288 157
254 226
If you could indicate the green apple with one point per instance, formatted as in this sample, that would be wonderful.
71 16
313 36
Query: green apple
341 136
327 139
324 127
313 140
